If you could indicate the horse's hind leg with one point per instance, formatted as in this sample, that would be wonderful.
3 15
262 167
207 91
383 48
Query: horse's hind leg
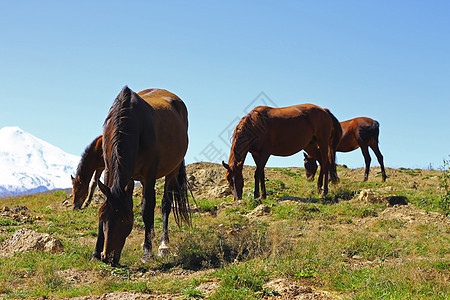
367 159
148 213
324 169
166 207
377 152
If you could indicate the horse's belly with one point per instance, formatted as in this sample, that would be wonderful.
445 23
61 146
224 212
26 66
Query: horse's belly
171 154
288 144
287 148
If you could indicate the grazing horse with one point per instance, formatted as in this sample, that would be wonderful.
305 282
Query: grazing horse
91 163
356 133
144 138
283 131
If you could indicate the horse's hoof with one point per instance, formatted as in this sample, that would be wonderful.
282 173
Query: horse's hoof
146 257
163 250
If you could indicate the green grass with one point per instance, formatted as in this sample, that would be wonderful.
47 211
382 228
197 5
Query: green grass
332 244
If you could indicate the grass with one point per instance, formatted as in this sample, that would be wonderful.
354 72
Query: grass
332 244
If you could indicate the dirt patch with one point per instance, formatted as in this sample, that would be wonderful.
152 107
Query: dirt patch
207 180
127 295
413 215
27 240
285 289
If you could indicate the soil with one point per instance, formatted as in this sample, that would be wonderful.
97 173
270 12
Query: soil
207 180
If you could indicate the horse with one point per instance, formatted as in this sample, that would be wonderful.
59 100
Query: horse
282 131
91 163
357 133
144 138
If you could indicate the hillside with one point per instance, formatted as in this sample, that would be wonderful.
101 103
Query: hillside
357 243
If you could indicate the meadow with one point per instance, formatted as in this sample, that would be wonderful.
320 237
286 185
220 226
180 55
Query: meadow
354 244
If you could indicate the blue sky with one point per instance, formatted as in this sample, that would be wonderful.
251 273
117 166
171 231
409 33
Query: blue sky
62 63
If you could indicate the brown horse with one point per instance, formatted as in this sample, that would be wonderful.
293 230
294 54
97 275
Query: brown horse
144 138
356 133
91 163
283 131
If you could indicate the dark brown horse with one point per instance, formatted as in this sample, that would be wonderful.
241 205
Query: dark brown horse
144 138
356 133
283 131
91 163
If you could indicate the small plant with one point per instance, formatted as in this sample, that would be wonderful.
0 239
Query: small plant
59 193
444 201
8 222
192 293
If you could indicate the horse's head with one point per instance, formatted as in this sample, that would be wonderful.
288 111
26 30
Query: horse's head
235 178
79 191
117 220
310 167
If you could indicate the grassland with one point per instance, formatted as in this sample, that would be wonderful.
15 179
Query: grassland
341 247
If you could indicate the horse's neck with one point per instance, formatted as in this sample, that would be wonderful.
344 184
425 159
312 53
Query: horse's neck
91 162
239 152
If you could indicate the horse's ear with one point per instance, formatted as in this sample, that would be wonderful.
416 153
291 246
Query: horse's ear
73 179
226 166
130 187
105 190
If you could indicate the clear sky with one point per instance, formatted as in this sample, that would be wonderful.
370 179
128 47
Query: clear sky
62 63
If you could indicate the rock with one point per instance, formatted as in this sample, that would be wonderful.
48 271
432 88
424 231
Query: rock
369 196
26 239
259 211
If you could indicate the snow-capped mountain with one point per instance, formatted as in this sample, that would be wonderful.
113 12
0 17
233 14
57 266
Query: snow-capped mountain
29 164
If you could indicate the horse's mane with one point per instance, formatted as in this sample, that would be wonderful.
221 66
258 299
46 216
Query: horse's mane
86 152
114 130
247 133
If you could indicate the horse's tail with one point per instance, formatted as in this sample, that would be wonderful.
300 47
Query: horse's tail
181 208
370 132
334 142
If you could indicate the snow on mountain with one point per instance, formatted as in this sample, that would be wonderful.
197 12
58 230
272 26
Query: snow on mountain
29 164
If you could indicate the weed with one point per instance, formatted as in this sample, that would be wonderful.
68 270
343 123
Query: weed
288 172
8 222
444 200
411 172
192 293
241 281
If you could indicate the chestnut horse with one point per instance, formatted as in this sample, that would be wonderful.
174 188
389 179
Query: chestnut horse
144 138
283 131
356 133
91 163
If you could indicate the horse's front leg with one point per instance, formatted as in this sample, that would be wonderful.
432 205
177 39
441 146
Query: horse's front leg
97 175
260 178
256 191
148 214
320 179
100 242
263 184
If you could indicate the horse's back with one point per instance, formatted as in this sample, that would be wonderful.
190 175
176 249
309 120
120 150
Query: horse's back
161 99
170 121
290 129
